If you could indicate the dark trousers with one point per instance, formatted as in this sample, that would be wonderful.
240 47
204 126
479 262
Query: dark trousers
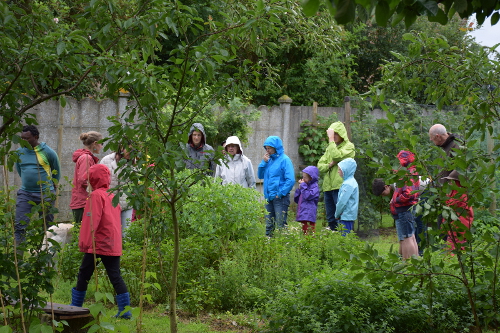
331 198
23 208
78 215
112 265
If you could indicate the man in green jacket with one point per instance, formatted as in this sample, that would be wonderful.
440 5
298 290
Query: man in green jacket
339 148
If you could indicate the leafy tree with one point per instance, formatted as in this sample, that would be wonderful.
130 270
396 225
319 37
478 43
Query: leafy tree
393 12
107 46
376 45
449 76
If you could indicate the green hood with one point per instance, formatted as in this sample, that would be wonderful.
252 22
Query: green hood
339 128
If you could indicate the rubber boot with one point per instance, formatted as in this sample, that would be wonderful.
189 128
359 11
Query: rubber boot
77 297
123 300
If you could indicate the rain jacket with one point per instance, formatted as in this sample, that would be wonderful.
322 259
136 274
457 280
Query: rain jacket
110 162
238 168
278 172
307 196
100 217
403 198
200 157
348 200
37 164
331 179
84 159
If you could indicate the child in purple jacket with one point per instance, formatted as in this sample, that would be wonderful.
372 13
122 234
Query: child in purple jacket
307 197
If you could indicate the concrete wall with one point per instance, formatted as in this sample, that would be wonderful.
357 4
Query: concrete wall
61 127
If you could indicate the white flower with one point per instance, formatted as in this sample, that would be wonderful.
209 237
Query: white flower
56 20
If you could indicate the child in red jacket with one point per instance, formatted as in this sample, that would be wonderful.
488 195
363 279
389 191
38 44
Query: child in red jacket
101 237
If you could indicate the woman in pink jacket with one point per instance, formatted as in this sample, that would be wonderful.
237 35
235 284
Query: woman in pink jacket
101 237
84 159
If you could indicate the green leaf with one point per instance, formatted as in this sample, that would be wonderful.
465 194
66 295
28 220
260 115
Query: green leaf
494 18
440 17
430 6
391 117
60 47
46 329
358 277
107 326
346 11
382 13
5 329
94 328
410 18
460 6
62 100
98 296
260 5
95 309
310 7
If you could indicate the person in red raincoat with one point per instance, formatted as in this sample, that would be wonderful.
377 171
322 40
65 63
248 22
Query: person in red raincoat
462 209
101 237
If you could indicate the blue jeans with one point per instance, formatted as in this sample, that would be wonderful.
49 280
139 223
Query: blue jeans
331 198
405 224
277 210
23 207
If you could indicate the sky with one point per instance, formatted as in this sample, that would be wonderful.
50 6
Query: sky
487 35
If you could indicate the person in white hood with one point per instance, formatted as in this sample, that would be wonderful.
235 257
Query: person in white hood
238 168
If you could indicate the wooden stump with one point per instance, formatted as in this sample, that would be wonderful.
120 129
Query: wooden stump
75 316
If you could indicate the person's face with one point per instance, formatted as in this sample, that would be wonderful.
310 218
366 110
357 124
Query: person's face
270 150
341 173
437 139
32 140
96 147
126 154
306 177
387 191
337 138
196 137
232 149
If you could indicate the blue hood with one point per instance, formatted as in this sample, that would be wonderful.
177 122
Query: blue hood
276 143
313 172
348 167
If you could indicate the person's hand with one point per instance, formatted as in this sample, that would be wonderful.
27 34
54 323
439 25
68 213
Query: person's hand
266 157
301 181
331 164
331 133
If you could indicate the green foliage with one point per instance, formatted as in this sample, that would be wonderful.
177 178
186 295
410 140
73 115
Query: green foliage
391 13
30 269
313 139
225 212
223 121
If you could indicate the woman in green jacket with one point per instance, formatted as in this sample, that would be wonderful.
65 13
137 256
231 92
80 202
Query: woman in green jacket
339 148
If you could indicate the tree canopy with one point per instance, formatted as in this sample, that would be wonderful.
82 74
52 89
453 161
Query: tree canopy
391 12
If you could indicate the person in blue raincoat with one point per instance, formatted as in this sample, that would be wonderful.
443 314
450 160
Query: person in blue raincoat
276 169
307 197
348 201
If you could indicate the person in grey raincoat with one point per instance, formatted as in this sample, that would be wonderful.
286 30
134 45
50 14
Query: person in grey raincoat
200 154
236 168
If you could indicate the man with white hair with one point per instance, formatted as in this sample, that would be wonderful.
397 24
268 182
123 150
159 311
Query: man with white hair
447 141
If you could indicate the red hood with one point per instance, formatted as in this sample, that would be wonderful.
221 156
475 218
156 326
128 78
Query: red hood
81 152
99 176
